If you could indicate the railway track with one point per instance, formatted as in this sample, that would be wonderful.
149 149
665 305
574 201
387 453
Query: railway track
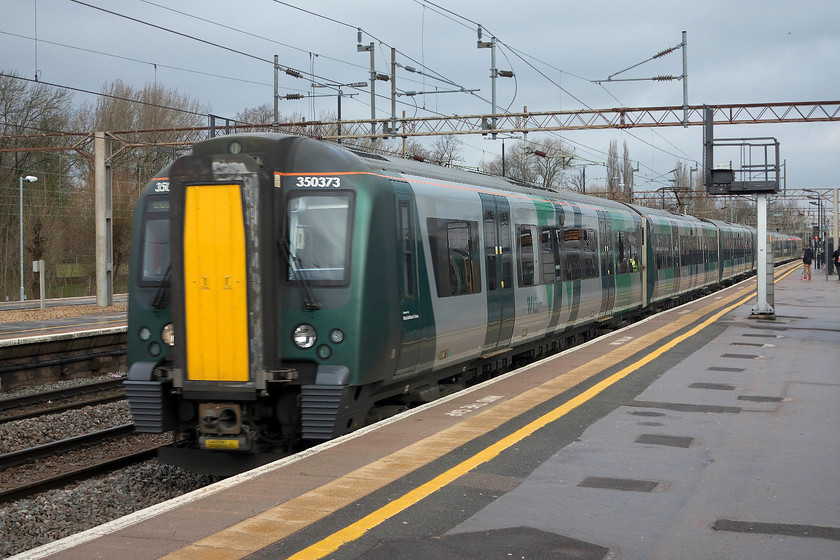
57 464
60 400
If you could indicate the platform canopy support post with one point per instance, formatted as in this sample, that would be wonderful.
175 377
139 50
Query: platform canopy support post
763 308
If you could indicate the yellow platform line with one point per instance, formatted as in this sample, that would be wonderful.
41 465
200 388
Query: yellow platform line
262 530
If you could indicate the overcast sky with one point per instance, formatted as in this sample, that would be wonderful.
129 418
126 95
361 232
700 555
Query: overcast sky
739 51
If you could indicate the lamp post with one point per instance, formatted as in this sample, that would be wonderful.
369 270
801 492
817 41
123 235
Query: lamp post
28 179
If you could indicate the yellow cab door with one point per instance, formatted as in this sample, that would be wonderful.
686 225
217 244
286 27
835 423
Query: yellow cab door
215 284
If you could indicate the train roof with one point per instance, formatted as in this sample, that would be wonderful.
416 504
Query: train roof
410 167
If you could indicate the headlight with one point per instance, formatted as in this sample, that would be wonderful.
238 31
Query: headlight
337 336
304 336
167 334
324 352
145 333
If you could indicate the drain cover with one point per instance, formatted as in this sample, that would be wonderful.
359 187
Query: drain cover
740 356
758 398
717 386
673 441
813 531
625 484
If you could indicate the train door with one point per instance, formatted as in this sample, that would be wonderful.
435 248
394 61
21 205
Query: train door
607 262
215 284
499 261
677 253
408 278
646 238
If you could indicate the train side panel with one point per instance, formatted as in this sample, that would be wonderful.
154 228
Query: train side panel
450 222
313 287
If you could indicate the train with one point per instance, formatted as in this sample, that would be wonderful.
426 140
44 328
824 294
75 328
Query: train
286 290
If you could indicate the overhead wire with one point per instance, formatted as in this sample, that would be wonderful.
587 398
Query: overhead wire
356 27
521 56
439 9
137 60
239 52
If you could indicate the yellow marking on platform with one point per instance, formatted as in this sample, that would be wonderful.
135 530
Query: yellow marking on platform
260 531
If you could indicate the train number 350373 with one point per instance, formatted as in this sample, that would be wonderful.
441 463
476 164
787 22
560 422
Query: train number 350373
319 182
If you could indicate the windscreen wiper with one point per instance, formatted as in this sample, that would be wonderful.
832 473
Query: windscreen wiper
161 300
310 303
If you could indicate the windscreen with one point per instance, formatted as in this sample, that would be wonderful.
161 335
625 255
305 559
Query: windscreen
154 247
319 238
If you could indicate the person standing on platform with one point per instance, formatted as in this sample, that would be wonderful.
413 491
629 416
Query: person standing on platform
836 257
807 258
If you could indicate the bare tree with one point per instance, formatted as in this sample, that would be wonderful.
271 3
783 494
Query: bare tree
577 181
415 148
682 190
262 114
551 168
446 150
29 109
409 147
512 163
124 107
627 171
522 163
613 169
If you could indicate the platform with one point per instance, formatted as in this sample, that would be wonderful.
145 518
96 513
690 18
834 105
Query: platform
46 326
698 433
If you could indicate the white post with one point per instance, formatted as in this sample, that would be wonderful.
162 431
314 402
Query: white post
834 220
764 267
104 236
38 266
22 295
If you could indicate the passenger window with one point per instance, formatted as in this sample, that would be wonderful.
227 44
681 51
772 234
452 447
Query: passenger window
407 246
572 239
589 252
454 245
548 267
527 255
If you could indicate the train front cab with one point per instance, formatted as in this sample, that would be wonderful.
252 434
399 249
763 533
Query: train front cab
221 356
150 332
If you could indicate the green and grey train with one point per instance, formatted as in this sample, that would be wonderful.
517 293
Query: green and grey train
286 290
